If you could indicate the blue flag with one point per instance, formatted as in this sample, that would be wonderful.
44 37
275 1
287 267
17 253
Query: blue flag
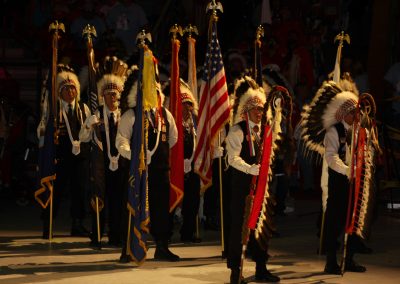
137 188
47 151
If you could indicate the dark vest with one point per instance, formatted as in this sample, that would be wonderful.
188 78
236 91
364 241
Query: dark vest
342 140
160 158
239 179
64 143
101 134
335 177
245 152
188 142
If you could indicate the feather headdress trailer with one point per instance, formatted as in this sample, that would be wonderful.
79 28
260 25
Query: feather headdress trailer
322 113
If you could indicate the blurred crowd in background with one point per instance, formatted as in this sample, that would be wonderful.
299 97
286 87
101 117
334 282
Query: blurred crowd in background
298 44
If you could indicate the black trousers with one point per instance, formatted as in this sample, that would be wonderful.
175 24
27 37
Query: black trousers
72 174
240 189
336 214
114 192
113 206
160 218
190 205
211 195
124 176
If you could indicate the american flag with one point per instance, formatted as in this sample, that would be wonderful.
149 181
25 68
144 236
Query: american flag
214 108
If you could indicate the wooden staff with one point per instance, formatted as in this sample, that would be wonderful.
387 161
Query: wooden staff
342 37
55 28
89 32
257 45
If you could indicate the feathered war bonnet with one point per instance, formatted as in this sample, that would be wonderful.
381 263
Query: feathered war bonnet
131 85
66 77
111 77
187 95
332 102
246 95
128 95
272 76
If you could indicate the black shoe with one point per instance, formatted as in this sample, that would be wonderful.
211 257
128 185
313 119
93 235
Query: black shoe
235 274
163 253
333 269
265 276
95 244
125 258
351 266
79 231
46 235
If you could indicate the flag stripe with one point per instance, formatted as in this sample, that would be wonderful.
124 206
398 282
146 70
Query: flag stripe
214 108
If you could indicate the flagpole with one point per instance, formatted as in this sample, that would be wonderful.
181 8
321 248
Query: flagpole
98 219
342 37
89 32
51 216
213 6
257 60
190 30
321 235
221 203
54 27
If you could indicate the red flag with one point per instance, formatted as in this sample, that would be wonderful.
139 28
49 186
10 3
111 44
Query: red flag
262 182
176 160
214 108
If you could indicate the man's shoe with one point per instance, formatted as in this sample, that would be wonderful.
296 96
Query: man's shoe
46 235
164 254
351 266
95 244
333 269
235 274
125 258
265 276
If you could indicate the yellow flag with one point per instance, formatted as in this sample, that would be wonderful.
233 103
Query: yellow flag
149 81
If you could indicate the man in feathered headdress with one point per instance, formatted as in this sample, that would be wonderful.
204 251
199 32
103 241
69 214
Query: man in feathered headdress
72 156
191 198
243 147
343 110
101 127
162 135
329 136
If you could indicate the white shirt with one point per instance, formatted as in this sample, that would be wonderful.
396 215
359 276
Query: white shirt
65 105
234 147
125 127
86 133
331 142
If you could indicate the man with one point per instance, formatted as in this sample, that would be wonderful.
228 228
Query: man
162 135
72 155
191 198
337 159
243 147
106 167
